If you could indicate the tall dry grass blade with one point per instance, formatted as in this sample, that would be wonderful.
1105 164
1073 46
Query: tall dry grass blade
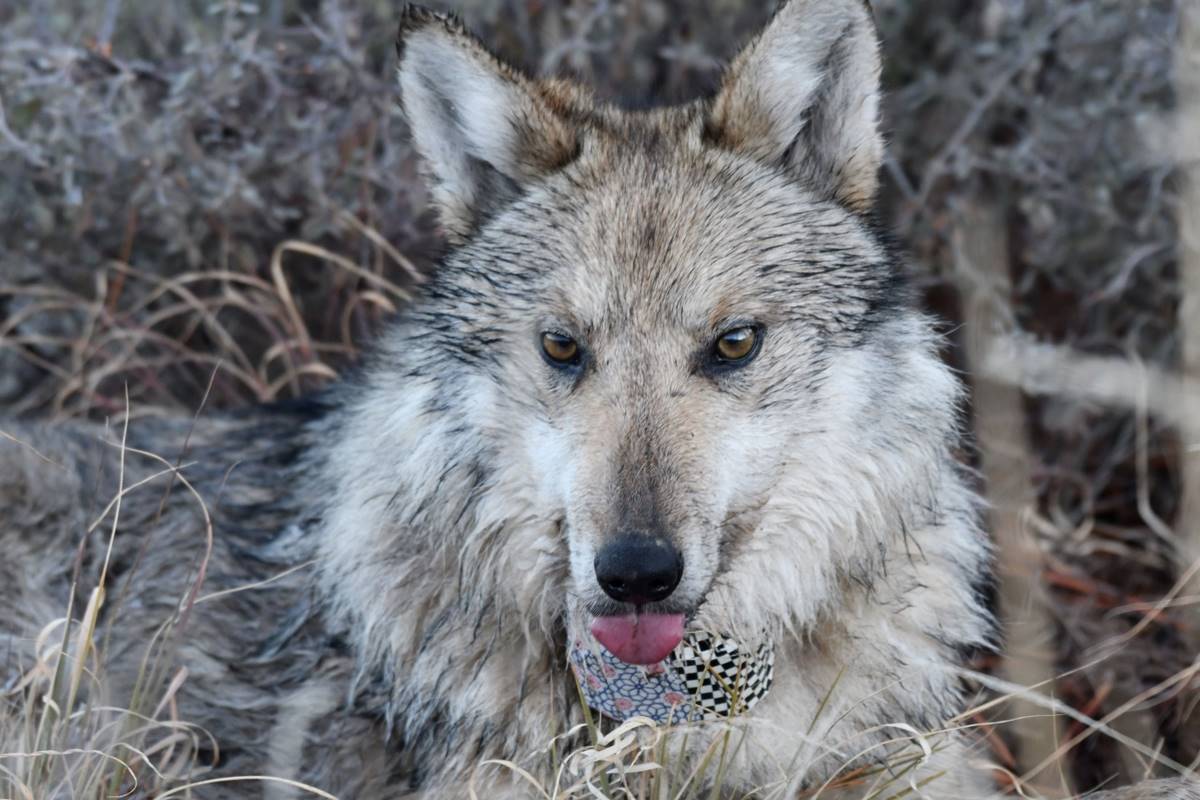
377 239
304 787
8 436
83 646
1010 690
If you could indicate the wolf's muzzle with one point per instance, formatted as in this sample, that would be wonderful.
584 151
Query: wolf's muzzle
638 568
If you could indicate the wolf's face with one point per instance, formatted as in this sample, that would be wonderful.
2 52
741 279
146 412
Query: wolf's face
668 306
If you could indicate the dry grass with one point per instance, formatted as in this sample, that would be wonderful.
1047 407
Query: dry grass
62 734
216 199
246 330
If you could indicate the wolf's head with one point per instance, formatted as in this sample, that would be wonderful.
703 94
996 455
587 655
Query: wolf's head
675 332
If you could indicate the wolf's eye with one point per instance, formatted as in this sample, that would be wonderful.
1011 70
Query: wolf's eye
737 346
560 349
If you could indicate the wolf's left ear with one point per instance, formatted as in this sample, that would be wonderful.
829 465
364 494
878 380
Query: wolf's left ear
805 95
482 129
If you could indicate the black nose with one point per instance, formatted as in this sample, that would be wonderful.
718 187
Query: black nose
636 568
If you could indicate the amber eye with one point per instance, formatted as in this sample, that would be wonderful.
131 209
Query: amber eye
737 346
560 349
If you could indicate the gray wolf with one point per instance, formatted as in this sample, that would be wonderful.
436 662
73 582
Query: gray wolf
670 377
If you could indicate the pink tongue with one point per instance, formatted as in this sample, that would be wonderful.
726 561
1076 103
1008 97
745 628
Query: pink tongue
639 638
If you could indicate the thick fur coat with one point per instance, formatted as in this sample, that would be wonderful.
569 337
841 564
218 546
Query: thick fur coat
420 539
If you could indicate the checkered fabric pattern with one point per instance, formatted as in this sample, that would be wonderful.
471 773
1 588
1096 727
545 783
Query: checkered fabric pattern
722 677
705 677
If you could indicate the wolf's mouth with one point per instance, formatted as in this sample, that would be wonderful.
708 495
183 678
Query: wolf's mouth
639 638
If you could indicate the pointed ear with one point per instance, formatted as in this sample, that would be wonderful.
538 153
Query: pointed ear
482 129
805 95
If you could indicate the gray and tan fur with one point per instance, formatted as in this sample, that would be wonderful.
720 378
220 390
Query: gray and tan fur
451 497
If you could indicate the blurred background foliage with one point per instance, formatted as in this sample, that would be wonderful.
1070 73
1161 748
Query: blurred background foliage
156 154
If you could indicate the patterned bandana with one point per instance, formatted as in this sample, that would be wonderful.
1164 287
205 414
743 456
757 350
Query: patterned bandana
704 677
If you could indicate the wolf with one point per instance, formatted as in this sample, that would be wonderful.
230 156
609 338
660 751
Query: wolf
669 378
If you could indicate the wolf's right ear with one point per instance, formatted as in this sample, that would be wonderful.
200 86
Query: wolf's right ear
804 95
482 128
